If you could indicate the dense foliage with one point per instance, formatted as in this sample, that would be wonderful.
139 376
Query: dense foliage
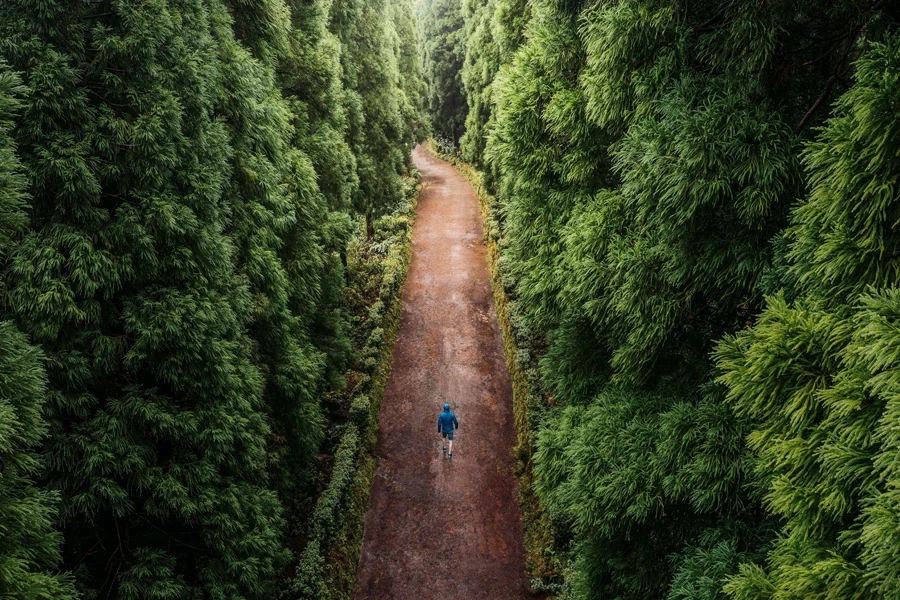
494 29
816 375
192 171
443 53
29 544
696 206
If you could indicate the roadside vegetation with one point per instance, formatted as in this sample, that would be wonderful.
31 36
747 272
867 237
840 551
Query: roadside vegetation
694 209
204 217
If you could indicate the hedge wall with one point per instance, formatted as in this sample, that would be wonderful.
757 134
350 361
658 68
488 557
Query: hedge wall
377 268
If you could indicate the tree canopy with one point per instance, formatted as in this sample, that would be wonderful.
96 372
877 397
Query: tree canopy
695 221
179 183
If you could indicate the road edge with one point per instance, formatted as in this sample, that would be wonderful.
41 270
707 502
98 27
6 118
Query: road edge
544 561
329 563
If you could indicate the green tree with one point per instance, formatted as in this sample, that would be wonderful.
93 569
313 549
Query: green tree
494 29
29 542
443 55
412 80
310 76
646 155
372 81
126 278
817 374
283 232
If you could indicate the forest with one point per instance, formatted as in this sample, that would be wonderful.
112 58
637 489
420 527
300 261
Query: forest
204 206
695 206
693 215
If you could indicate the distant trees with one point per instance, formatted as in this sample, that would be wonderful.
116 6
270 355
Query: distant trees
443 52
191 170
653 162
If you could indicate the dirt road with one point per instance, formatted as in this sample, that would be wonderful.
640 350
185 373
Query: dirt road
435 525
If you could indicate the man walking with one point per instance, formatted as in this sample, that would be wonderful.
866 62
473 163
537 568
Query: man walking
447 423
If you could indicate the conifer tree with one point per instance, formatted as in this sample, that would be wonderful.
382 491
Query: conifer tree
372 82
310 76
412 81
126 279
29 542
645 156
443 54
817 374
280 228
494 29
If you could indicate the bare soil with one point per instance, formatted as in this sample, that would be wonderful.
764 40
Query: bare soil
436 525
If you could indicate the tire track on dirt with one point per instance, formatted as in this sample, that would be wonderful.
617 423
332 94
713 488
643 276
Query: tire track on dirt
436 525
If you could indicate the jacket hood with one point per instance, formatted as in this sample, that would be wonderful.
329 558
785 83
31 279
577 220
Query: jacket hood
446 408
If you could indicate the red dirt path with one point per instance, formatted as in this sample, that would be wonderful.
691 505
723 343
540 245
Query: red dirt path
434 525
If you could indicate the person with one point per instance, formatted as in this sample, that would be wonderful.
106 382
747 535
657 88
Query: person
447 424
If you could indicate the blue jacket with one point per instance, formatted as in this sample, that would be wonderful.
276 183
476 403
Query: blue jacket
447 422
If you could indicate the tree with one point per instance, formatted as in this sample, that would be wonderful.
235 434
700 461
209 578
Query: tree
29 541
494 29
443 54
285 235
816 374
126 278
372 80
412 80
